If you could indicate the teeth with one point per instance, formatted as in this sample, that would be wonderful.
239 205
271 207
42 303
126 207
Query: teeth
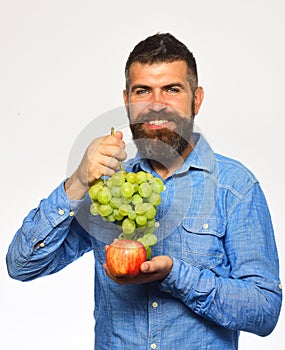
158 122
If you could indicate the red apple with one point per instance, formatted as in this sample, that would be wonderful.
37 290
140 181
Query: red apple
124 257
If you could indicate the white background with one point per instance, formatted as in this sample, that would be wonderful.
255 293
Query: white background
61 65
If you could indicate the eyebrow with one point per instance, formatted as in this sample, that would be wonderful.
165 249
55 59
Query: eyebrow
141 86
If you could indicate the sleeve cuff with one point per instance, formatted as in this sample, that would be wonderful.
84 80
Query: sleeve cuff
176 281
59 206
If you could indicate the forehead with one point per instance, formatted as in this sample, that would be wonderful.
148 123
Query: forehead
162 72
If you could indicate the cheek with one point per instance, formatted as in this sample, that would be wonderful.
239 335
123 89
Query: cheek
183 107
134 109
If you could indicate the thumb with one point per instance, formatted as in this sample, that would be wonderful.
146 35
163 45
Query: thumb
159 264
119 135
146 267
151 266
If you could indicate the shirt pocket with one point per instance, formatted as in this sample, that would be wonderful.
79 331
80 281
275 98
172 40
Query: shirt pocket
202 241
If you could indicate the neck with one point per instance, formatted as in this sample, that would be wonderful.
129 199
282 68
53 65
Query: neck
168 166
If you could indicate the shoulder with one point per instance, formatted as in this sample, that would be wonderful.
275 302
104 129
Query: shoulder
233 174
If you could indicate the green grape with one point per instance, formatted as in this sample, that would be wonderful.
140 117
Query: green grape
141 220
99 181
147 206
105 209
132 215
141 177
149 176
150 223
147 248
140 208
136 199
94 208
128 226
117 215
124 209
145 190
150 212
115 202
131 177
93 190
118 178
126 200
127 189
148 252
109 183
149 239
157 185
116 191
136 187
111 217
154 199
104 195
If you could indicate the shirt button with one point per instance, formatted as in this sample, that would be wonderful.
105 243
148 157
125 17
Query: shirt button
60 211
42 245
156 224
71 213
205 226
280 286
153 346
154 304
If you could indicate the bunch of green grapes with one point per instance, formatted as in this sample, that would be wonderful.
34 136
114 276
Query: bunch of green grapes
130 200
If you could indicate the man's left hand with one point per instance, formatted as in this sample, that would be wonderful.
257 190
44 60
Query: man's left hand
156 269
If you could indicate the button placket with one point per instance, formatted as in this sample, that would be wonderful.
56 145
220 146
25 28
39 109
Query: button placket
155 318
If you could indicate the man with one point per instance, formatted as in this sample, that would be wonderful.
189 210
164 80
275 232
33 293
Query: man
214 270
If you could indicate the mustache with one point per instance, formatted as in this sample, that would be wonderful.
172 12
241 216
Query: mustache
161 115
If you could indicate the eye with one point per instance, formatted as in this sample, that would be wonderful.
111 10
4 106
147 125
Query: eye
141 92
173 90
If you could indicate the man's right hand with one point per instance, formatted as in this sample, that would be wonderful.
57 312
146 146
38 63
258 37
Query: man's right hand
102 157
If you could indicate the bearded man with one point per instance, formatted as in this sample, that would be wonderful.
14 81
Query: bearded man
214 270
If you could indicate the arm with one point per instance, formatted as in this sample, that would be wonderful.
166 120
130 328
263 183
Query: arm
50 237
250 298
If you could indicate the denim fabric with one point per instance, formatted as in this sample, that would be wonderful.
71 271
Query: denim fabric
214 223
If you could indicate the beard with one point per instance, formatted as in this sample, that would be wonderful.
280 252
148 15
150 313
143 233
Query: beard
162 145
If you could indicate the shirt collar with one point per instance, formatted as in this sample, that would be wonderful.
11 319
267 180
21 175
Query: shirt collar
201 157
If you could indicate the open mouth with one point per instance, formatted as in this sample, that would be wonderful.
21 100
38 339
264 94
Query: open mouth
159 124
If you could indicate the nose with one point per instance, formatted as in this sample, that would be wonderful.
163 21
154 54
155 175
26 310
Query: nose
157 103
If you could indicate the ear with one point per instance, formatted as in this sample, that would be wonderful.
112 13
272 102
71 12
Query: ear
125 96
198 99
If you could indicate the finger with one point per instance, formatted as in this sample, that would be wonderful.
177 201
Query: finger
148 267
108 162
119 135
119 280
112 151
159 264
117 140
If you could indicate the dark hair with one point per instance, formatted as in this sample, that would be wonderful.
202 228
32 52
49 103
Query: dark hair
162 48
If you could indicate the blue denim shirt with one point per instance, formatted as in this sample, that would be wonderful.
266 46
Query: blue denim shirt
215 225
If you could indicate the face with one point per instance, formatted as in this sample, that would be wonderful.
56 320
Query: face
161 108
